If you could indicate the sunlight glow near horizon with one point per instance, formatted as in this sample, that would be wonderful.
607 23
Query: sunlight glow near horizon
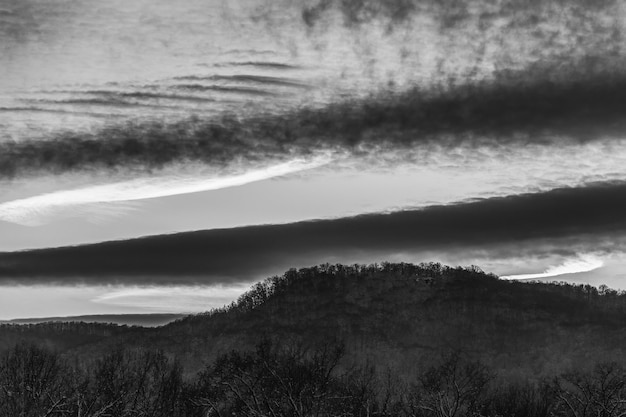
178 299
17 302
583 263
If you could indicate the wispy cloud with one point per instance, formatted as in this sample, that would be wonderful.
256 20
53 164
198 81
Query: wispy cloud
581 263
36 210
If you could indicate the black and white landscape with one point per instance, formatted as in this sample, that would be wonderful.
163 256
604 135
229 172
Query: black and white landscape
213 207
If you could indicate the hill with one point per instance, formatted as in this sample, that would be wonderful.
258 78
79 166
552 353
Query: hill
399 316
404 316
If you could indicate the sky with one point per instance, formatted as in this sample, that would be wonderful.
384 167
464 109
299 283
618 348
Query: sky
162 157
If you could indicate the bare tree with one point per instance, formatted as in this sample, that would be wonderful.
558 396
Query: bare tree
31 382
599 393
272 381
450 389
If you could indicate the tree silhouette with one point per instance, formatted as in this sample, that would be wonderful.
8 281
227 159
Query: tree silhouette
600 393
452 388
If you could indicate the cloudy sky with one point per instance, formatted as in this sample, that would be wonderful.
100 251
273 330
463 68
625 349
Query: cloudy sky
159 156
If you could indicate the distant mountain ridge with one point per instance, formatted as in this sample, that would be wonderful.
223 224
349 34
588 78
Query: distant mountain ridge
145 320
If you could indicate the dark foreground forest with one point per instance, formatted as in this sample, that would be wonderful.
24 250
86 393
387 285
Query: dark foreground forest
335 340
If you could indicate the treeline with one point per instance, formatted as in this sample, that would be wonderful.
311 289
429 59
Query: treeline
291 380
78 327
62 335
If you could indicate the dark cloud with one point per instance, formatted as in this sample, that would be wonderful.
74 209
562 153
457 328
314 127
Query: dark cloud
311 14
559 94
465 39
448 13
20 21
260 64
42 110
260 79
158 96
245 78
590 218
356 12
100 102
521 108
224 89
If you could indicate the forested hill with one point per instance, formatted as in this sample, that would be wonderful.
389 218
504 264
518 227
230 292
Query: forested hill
402 315
393 315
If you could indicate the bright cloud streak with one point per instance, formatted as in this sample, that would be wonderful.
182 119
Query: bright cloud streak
583 263
33 211
186 299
